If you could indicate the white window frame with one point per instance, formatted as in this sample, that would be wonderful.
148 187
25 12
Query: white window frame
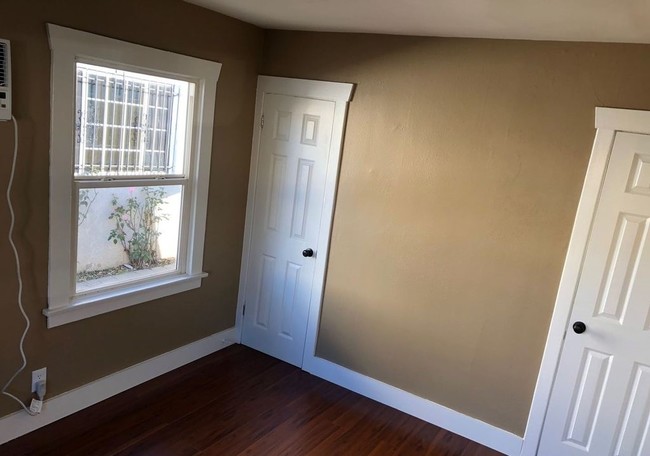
69 46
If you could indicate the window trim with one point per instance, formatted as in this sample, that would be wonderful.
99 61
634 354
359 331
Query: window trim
67 47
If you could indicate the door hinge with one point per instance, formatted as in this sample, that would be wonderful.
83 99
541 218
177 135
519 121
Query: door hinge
262 123
243 311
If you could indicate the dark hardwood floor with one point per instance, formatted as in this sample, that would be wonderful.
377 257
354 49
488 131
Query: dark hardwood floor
241 402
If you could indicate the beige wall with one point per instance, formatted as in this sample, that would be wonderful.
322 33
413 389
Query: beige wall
80 352
461 172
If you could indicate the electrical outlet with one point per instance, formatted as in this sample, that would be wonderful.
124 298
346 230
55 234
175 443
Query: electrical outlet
38 376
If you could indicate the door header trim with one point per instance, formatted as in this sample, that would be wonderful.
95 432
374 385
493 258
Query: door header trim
623 120
305 88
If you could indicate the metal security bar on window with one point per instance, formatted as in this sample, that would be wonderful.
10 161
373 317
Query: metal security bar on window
3 64
126 122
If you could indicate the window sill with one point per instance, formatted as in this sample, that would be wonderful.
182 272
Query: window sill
106 301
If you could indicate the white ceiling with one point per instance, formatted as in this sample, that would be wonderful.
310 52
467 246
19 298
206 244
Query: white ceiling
566 20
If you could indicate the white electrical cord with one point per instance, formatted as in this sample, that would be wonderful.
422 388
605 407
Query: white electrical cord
20 279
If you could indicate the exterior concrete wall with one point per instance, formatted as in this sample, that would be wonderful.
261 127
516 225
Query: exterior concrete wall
95 251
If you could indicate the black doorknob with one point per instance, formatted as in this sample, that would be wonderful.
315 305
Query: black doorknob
308 253
579 327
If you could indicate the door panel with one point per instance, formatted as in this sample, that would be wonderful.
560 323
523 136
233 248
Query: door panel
600 403
292 165
624 256
588 397
633 433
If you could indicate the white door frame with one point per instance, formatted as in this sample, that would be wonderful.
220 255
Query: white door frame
608 122
340 94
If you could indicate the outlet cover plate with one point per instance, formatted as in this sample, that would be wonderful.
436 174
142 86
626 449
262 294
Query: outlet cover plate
37 376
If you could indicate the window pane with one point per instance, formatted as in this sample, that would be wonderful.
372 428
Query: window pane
123 116
126 234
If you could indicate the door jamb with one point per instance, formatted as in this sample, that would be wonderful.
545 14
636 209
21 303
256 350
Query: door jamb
341 95
608 122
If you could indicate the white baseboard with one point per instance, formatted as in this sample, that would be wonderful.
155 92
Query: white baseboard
446 418
20 423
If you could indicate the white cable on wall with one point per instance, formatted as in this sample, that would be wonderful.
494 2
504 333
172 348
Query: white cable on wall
20 279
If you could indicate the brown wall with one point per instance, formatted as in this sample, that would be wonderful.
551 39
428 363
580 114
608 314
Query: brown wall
81 352
461 173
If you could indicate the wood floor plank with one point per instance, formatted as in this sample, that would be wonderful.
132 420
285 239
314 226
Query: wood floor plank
360 429
161 407
240 402
258 415
402 429
421 440
449 444
214 418
310 420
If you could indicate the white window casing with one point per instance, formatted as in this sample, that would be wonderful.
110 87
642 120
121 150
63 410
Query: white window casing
68 48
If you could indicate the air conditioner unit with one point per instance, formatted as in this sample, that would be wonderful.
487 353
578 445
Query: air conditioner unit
5 80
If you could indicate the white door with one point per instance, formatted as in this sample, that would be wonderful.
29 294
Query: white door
600 403
292 165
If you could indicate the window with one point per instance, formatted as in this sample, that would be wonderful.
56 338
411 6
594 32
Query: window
129 169
129 123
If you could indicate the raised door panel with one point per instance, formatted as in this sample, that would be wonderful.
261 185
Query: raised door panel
587 398
633 438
